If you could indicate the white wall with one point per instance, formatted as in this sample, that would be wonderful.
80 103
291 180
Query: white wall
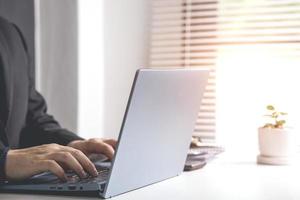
56 58
91 68
127 36
87 87
113 43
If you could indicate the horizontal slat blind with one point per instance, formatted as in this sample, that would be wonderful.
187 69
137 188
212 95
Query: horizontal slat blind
181 40
202 33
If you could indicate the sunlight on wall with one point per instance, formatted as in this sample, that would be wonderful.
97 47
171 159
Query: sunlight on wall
91 68
248 78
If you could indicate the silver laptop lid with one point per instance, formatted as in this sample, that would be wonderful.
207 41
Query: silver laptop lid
157 127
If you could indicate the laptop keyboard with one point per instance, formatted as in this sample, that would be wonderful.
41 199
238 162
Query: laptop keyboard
102 176
49 178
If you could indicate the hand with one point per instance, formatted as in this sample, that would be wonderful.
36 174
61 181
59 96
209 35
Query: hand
95 145
24 163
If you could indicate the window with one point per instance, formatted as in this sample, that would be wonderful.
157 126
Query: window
181 31
253 49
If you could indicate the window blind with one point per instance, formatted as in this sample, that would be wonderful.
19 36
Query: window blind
180 33
203 33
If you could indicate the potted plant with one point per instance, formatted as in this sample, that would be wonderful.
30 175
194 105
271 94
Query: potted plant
275 139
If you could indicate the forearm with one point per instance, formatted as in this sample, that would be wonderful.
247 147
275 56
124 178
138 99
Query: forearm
42 128
33 136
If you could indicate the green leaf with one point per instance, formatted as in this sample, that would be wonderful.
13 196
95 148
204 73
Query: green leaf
281 122
283 113
275 114
270 107
269 125
268 115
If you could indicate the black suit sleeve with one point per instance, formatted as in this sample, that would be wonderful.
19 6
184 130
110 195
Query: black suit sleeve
3 154
41 128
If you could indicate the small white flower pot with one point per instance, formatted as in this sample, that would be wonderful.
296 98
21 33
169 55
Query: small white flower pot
276 146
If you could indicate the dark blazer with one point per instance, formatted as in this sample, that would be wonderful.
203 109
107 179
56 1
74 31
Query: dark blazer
24 121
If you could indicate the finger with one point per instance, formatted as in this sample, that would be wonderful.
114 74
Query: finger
69 160
64 166
54 167
103 148
85 162
111 142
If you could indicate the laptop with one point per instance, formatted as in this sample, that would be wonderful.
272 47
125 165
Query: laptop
153 142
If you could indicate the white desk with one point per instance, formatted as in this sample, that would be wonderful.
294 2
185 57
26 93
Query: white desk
220 179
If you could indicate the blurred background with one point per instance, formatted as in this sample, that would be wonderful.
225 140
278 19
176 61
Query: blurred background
86 52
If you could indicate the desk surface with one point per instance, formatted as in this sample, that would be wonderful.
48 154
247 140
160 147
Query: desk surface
220 179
